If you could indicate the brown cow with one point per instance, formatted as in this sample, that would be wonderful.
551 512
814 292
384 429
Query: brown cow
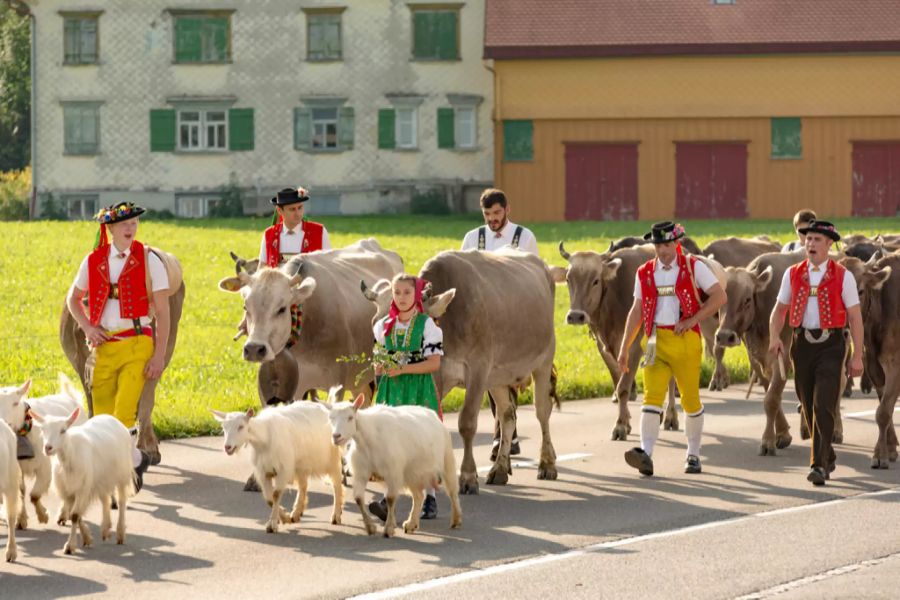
687 243
336 321
71 337
733 252
879 286
489 344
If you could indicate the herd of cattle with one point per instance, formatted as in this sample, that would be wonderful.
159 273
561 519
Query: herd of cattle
496 311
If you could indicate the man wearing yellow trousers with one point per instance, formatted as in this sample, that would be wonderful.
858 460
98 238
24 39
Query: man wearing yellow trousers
667 302
123 282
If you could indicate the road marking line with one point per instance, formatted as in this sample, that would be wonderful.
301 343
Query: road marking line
531 462
550 558
804 581
866 413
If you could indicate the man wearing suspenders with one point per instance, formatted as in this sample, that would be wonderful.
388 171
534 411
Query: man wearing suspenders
497 232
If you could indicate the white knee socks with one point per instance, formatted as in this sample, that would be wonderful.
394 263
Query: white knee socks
649 431
693 428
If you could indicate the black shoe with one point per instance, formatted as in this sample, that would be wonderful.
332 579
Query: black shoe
140 470
495 449
24 449
514 448
692 464
379 509
429 508
640 460
817 476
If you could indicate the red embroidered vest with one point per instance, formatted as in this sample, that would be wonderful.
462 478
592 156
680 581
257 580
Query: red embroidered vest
312 240
134 299
684 291
832 312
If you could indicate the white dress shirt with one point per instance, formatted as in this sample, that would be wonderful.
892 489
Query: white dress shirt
291 241
849 293
668 308
495 240
111 319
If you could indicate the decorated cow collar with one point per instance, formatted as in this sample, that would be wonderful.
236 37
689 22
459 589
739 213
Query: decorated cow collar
25 429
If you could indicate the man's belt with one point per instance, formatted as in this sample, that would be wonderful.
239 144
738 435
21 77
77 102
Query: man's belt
665 290
816 336
114 291
129 333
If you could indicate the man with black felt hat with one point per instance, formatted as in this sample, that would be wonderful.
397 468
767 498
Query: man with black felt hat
818 298
667 302
291 233
123 282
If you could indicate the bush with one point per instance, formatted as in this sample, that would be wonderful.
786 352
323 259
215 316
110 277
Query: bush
232 202
51 210
432 202
159 215
15 189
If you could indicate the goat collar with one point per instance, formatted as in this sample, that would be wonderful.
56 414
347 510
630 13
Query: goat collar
25 429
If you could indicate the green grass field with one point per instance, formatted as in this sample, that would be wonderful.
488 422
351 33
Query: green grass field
39 260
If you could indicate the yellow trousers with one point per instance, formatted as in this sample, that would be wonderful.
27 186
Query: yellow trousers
678 355
119 377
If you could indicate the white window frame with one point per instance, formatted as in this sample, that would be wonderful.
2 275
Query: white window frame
207 139
472 129
80 200
324 123
411 123
194 207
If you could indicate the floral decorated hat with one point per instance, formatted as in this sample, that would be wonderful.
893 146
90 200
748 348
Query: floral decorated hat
824 227
118 213
664 232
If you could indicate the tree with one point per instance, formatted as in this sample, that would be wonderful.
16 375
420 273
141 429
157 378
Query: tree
15 87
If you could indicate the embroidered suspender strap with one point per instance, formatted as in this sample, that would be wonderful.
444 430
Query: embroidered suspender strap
516 235
481 240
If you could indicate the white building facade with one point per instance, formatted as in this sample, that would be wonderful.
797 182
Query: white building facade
372 105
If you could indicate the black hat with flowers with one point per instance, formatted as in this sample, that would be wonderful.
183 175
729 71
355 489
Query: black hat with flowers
115 214
664 232
824 227
290 196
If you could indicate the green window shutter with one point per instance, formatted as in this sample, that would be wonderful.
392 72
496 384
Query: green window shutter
446 128
518 141
786 138
188 45
424 34
346 125
302 128
386 123
218 29
162 130
240 129
447 36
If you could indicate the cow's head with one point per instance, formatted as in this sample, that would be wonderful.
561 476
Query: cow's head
268 297
743 289
236 426
380 294
12 404
342 416
248 266
587 277
869 277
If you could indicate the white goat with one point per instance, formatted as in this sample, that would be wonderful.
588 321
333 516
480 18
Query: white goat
407 446
9 485
288 444
14 407
91 461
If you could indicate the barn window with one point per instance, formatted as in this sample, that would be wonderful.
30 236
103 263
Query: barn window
786 139
518 141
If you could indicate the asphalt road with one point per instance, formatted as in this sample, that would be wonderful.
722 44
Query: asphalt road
749 526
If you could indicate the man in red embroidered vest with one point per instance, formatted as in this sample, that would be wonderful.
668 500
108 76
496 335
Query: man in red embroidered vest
818 297
115 277
290 233
667 302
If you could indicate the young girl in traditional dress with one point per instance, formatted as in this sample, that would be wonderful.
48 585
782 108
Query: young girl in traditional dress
415 343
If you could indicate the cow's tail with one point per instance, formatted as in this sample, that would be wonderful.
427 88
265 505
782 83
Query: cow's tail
554 395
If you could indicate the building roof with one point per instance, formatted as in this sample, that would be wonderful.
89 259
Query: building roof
592 28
